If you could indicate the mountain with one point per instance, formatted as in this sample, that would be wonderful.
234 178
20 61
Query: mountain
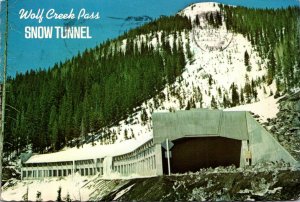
208 55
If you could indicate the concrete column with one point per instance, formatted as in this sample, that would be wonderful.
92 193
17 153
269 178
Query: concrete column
140 166
244 150
143 165
129 168
158 160
95 166
151 162
132 169
73 168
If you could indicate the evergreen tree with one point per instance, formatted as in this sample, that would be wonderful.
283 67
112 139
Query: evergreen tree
242 96
59 194
126 134
39 196
234 95
213 103
188 106
271 69
67 198
246 58
197 20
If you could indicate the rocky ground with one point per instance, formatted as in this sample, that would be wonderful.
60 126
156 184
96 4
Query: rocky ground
265 181
261 182
286 126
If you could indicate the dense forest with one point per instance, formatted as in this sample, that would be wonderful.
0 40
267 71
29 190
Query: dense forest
94 89
103 85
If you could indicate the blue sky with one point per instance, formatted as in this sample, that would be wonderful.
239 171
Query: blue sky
25 54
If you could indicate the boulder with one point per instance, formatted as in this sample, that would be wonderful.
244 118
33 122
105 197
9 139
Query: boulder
256 116
287 106
297 106
282 130
294 129
273 129
296 122
280 138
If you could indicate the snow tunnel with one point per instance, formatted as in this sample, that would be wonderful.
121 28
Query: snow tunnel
192 154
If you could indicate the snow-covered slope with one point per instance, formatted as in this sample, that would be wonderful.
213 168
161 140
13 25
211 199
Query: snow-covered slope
266 108
208 76
210 73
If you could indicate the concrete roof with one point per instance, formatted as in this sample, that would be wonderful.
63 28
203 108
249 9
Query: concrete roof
90 152
199 123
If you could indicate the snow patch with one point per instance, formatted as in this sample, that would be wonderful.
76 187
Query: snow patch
266 108
121 193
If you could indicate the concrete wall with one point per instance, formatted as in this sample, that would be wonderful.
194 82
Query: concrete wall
233 125
263 145
47 170
140 162
144 161
199 123
244 161
158 158
62 169
177 124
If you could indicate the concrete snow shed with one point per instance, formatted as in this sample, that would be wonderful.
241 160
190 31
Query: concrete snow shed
210 138
201 137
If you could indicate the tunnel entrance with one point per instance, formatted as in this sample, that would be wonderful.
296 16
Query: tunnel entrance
191 154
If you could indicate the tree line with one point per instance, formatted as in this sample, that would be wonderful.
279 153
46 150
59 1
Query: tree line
95 89
276 36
